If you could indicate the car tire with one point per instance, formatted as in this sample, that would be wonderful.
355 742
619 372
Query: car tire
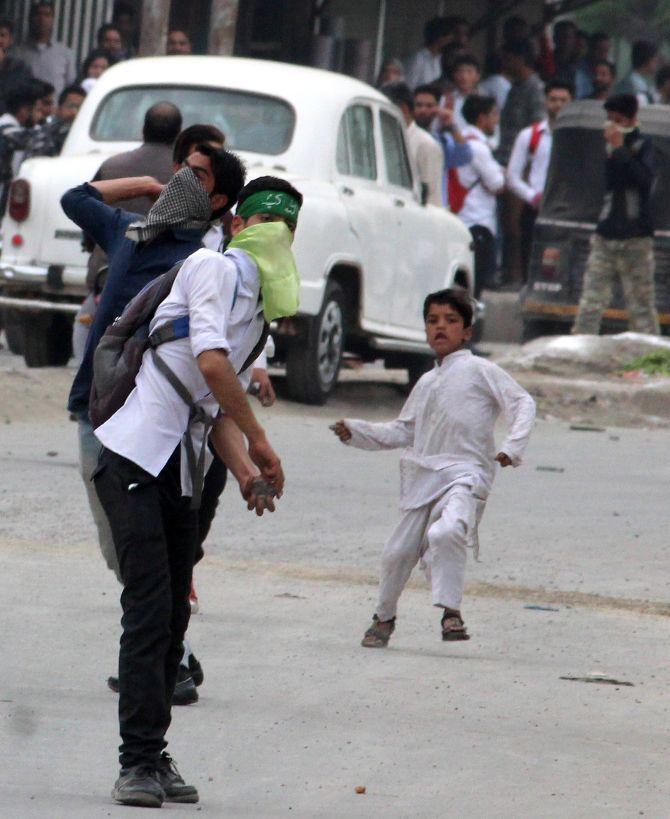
313 363
13 331
47 340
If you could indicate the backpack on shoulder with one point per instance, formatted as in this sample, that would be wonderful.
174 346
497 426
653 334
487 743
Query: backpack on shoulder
118 358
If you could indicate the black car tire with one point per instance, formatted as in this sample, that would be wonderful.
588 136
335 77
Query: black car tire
313 363
13 331
47 339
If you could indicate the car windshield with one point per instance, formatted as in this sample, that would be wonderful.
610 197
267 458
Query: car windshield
251 122
576 182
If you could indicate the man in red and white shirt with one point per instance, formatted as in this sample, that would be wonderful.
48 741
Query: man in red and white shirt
474 187
529 162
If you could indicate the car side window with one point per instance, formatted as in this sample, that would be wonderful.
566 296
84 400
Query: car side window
397 164
355 153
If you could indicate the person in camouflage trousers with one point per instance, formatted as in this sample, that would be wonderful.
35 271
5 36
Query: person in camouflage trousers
622 246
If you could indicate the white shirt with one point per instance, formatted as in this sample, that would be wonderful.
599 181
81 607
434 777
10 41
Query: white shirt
526 173
447 425
484 178
213 239
152 422
428 158
424 67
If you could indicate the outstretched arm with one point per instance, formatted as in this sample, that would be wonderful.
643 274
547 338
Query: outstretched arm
390 435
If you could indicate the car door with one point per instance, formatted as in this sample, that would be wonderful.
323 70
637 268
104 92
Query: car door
421 252
369 210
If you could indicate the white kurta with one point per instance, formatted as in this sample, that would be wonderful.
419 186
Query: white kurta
446 428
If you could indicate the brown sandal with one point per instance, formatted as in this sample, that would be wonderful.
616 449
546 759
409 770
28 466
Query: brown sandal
379 633
453 627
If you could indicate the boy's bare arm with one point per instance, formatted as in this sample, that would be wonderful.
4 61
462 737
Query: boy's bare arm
222 379
231 448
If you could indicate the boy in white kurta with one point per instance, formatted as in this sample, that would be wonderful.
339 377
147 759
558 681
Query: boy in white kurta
447 469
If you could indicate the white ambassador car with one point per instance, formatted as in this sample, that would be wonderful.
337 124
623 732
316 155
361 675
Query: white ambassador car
368 250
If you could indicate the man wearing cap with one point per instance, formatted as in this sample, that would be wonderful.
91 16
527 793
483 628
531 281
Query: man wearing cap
143 478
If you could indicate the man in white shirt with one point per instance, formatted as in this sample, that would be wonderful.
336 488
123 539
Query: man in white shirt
48 59
473 188
146 480
529 162
426 65
425 152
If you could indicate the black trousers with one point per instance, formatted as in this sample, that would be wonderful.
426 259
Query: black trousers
528 217
156 537
485 257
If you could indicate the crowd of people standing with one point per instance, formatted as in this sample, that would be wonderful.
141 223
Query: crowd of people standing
501 116
42 88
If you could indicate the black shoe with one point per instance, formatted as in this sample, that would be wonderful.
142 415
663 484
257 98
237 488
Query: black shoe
196 670
139 786
176 790
185 692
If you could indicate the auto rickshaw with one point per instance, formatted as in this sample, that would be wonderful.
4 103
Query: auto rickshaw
570 210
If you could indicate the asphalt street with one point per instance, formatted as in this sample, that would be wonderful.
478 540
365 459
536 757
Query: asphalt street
293 715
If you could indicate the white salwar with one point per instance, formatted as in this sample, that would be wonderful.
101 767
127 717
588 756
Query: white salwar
446 471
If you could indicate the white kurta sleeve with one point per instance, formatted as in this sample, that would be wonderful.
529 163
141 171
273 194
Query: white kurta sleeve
387 435
517 406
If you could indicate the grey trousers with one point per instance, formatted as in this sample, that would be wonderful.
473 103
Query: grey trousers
89 449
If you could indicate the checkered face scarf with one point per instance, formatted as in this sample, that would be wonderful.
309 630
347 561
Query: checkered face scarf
183 204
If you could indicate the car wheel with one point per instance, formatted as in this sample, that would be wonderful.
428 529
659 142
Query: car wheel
313 365
47 339
13 331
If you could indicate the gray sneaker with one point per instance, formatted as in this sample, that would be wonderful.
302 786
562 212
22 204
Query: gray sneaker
139 786
176 790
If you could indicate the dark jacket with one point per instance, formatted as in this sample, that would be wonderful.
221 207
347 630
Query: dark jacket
630 175
131 267
150 159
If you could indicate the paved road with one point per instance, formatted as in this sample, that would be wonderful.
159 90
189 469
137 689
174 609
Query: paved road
293 714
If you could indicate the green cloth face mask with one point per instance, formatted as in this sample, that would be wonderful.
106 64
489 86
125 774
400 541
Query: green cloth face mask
269 245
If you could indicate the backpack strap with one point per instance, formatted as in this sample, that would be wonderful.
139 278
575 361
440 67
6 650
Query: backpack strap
179 327
535 137
196 466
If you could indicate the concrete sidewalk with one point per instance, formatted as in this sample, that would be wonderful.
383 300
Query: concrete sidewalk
294 715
